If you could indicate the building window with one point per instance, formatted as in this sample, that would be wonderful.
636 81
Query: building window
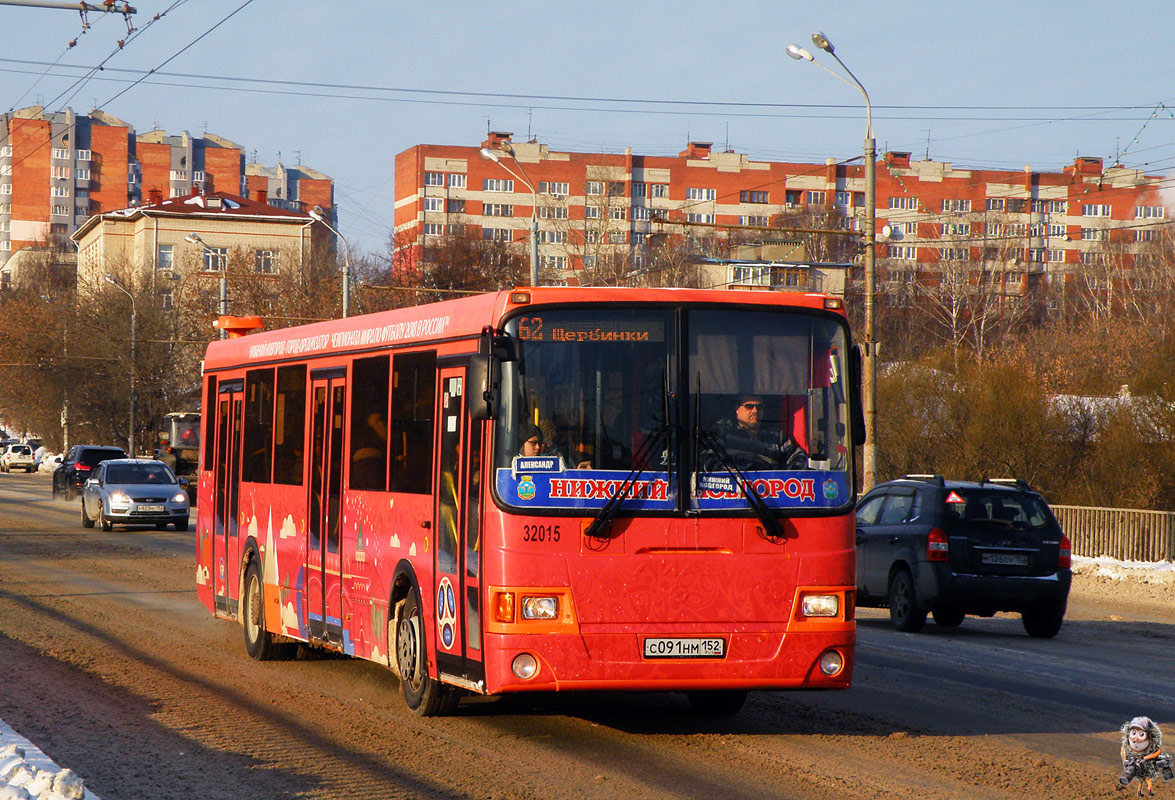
750 275
1036 255
456 180
1056 256
553 237
1095 210
198 177
60 211
165 257
752 196
759 222
593 188
5 169
434 179
703 218
6 245
618 213
434 229
61 172
952 253
617 237
555 188
179 174
166 302
434 204
265 261
215 259
815 198
591 237
1150 212
616 188
1057 229
904 203
456 206
905 252
5 188
83 173
1093 234
61 152
995 204
497 209
1146 235
956 229
497 185
554 262
699 193
552 212
83 155
6 151
591 212
497 234
956 205
659 190
1093 259
640 189
59 191
640 213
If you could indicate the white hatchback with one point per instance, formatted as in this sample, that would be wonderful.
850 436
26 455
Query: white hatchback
17 456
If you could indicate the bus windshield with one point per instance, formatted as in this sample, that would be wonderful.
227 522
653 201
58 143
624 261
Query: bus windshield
595 400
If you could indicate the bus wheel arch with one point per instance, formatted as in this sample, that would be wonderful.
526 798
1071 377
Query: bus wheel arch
260 643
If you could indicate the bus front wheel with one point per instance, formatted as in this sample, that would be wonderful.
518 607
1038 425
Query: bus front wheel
425 696
260 644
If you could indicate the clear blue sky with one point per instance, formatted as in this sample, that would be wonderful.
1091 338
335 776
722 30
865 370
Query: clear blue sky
980 84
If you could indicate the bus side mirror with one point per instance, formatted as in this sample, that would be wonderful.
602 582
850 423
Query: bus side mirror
855 395
485 373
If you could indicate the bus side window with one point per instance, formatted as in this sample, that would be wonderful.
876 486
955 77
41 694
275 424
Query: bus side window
411 434
257 465
369 423
209 439
289 425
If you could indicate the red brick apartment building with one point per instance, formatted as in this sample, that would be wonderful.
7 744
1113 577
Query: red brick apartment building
57 169
1036 227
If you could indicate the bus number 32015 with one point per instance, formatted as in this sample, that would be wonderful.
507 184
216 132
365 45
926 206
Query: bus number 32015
540 533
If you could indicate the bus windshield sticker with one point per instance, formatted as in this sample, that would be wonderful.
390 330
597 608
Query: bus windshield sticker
536 464
779 489
585 489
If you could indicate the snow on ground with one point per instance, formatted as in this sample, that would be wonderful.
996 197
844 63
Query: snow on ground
24 767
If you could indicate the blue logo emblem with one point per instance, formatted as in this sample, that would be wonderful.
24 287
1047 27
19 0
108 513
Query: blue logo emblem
830 489
526 488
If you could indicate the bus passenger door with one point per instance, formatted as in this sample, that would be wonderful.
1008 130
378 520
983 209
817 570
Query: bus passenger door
227 479
323 588
457 612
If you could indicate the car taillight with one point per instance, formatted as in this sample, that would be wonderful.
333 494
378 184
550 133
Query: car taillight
82 467
937 546
1065 553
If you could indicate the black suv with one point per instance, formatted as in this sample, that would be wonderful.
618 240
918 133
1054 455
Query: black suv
952 548
77 465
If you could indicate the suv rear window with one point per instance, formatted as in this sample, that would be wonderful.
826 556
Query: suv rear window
1000 508
21 450
93 457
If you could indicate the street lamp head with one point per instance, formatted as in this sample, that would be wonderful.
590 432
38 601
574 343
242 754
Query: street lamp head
506 147
193 238
111 279
798 53
821 41
490 155
318 214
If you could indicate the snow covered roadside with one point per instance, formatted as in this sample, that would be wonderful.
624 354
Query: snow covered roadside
27 774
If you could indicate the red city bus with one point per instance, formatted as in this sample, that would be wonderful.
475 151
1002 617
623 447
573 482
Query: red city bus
545 489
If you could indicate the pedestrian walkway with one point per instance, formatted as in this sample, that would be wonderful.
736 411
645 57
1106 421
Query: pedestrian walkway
28 774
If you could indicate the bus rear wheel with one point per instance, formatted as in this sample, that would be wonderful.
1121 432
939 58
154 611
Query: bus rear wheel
260 644
425 696
717 702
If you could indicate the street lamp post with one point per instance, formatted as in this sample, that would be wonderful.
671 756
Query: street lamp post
193 238
508 149
869 344
319 215
131 434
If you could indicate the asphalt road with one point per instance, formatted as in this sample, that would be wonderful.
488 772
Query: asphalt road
111 666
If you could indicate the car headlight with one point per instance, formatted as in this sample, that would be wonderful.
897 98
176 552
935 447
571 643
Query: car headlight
540 607
820 605
180 497
119 498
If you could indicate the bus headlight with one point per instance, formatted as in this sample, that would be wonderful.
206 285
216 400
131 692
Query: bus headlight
540 607
820 605
831 663
525 666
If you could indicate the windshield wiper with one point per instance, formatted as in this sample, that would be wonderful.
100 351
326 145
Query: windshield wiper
600 523
772 530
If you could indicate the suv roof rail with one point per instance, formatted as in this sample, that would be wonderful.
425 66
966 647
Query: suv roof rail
937 480
1017 482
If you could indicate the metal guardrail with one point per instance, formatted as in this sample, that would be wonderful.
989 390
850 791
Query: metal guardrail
1123 533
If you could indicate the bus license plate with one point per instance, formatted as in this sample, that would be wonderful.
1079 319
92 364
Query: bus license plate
1007 559
711 647
150 508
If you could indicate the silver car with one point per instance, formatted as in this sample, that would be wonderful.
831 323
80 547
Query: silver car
134 491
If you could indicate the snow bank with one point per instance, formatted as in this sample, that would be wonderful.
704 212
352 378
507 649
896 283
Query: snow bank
1158 572
28 774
